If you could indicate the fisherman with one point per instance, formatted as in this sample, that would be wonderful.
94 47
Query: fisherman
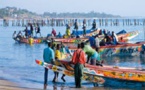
48 56
68 33
59 35
53 32
57 57
38 30
31 29
84 27
108 39
78 59
97 42
26 32
94 24
14 35
115 38
92 40
19 35
76 25
91 53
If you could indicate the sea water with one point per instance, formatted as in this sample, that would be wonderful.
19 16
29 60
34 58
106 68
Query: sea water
17 60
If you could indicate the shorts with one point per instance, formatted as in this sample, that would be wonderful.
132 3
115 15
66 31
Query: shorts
94 56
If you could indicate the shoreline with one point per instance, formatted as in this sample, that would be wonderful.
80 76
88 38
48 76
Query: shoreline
10 85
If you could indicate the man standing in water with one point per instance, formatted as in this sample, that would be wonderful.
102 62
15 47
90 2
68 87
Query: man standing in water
76 25
48 56
84 27
79 60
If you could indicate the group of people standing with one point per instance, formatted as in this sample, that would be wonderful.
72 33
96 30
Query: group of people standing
52 55
28 32
68 33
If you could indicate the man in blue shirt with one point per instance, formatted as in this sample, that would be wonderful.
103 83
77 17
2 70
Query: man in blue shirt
48 56
92 41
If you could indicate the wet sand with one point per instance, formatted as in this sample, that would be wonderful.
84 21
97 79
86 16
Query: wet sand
9 85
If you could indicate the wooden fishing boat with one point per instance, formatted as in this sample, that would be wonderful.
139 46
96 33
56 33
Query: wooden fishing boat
129 49
70 40
126 37
26 40
129 35
115 76
88 32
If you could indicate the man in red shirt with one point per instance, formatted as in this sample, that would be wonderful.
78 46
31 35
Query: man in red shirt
79 60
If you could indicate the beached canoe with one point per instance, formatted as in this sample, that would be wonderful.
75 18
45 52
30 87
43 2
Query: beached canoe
116 76
69 71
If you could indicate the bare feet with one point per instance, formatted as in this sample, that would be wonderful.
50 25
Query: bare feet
45 86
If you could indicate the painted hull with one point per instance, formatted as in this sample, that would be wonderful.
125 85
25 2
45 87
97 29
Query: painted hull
70 40
126 36
129 35
116 50
69 71
25 40
117 76
88 32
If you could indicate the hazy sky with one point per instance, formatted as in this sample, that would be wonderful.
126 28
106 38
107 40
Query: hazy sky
116 7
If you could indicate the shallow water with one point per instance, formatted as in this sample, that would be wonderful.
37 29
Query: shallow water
17 61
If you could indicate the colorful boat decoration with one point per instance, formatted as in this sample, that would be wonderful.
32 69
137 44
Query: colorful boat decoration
128 49
70 40
129 35
69 71
88 32
116 76
126 37
33 40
